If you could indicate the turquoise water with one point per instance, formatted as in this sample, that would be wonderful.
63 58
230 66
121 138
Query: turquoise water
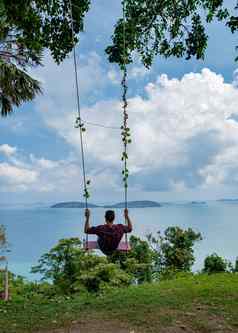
32 232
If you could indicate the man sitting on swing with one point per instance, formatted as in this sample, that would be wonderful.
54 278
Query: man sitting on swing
109 234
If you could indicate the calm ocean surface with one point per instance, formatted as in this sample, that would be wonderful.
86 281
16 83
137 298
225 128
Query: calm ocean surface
32 232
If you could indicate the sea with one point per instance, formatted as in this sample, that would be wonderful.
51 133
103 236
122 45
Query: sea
34 231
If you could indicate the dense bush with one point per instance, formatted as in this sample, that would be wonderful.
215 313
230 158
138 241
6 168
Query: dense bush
173 251
72 269
215 264
68 268
236 266
102 277
20 288
159 257
138 262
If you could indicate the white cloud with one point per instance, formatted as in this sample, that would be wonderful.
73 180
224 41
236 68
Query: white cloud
27 173
179 129
183 137
43 163
137 72
58 81
59 179
13 175
7 150
222 169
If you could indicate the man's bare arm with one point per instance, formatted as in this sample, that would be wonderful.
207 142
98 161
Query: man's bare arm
128 220
87 224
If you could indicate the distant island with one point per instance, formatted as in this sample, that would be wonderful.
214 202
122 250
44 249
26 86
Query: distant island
73 204
135 204
197 203
228 200
131 204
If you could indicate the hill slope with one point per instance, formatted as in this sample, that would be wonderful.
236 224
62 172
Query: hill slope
206 304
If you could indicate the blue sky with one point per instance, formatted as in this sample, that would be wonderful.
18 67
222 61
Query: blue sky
183 116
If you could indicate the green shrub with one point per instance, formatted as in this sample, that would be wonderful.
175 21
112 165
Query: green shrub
71 269
138 262
236 266
102 277
173 251
170 274
215 264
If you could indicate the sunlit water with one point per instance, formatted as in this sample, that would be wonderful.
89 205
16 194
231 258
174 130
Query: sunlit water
32 232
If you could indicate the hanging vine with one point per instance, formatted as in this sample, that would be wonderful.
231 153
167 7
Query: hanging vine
126 135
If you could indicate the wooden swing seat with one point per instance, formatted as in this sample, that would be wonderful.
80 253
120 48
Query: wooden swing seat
93 245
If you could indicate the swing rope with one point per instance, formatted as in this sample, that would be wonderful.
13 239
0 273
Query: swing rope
79 122
125 117
124 127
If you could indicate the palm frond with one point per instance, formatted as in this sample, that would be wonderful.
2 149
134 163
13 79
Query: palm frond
16 87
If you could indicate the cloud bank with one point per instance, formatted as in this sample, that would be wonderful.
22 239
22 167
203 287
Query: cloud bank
182 131
185 134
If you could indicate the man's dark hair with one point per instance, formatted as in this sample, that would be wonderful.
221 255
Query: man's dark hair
110 215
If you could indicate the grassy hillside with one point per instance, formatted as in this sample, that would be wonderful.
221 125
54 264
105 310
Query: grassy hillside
197 304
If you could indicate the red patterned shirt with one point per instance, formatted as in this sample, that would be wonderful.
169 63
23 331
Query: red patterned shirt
109 236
